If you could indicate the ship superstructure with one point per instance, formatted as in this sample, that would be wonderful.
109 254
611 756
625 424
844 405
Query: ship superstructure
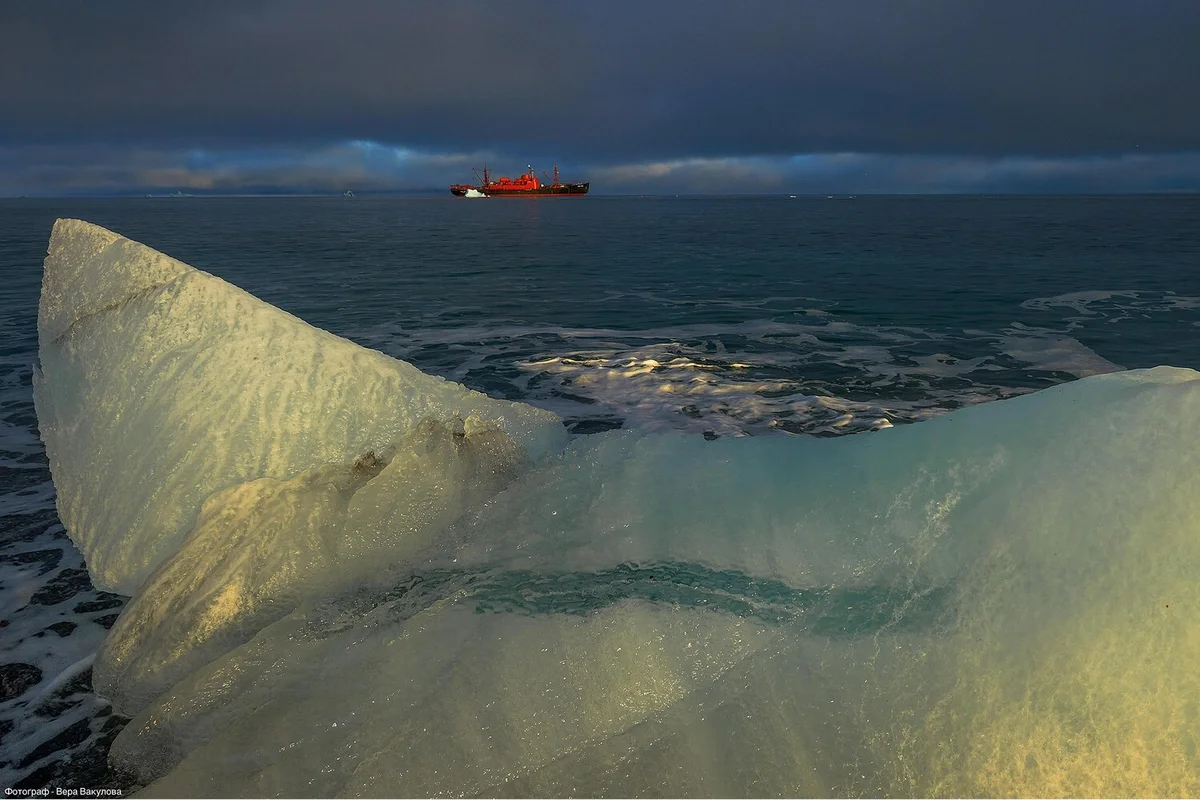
527 185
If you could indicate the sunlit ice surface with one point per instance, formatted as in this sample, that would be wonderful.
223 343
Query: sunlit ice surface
351 578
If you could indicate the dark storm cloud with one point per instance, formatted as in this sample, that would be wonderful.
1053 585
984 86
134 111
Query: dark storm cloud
609 82
245 72
108 169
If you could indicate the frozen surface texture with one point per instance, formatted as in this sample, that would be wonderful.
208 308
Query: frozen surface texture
261 547
160 384
1000 601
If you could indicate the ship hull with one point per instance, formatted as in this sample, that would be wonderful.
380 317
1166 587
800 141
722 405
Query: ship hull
562 190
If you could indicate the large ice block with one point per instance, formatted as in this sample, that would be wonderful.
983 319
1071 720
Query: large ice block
159 384
353 593
261 548
998 602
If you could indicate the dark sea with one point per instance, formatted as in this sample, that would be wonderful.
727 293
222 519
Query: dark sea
772 316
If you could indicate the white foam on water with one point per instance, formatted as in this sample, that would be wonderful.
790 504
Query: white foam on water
748 378
1058 354
1113 306
680 393
42 585
43 588
30 499
1081 302
20 447
60 680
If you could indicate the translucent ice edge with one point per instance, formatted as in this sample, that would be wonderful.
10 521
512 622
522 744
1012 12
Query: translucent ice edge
160 385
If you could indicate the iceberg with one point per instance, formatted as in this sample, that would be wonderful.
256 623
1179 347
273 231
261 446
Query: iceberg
140 353
443 596
260 547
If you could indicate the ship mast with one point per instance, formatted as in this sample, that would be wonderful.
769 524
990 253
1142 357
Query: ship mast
556 176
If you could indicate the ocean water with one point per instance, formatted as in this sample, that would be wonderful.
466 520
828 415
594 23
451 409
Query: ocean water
721 317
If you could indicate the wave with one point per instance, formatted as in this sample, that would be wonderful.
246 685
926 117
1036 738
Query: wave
822 377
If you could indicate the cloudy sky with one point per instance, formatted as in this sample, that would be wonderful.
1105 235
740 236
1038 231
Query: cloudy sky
651 96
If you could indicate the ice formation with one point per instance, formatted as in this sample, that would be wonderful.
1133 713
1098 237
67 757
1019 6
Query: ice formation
999 601
140 354
260 547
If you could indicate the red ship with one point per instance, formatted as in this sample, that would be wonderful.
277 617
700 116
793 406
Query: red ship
528 185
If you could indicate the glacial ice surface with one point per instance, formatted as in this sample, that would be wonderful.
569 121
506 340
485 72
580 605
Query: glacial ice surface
999 601
140 354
